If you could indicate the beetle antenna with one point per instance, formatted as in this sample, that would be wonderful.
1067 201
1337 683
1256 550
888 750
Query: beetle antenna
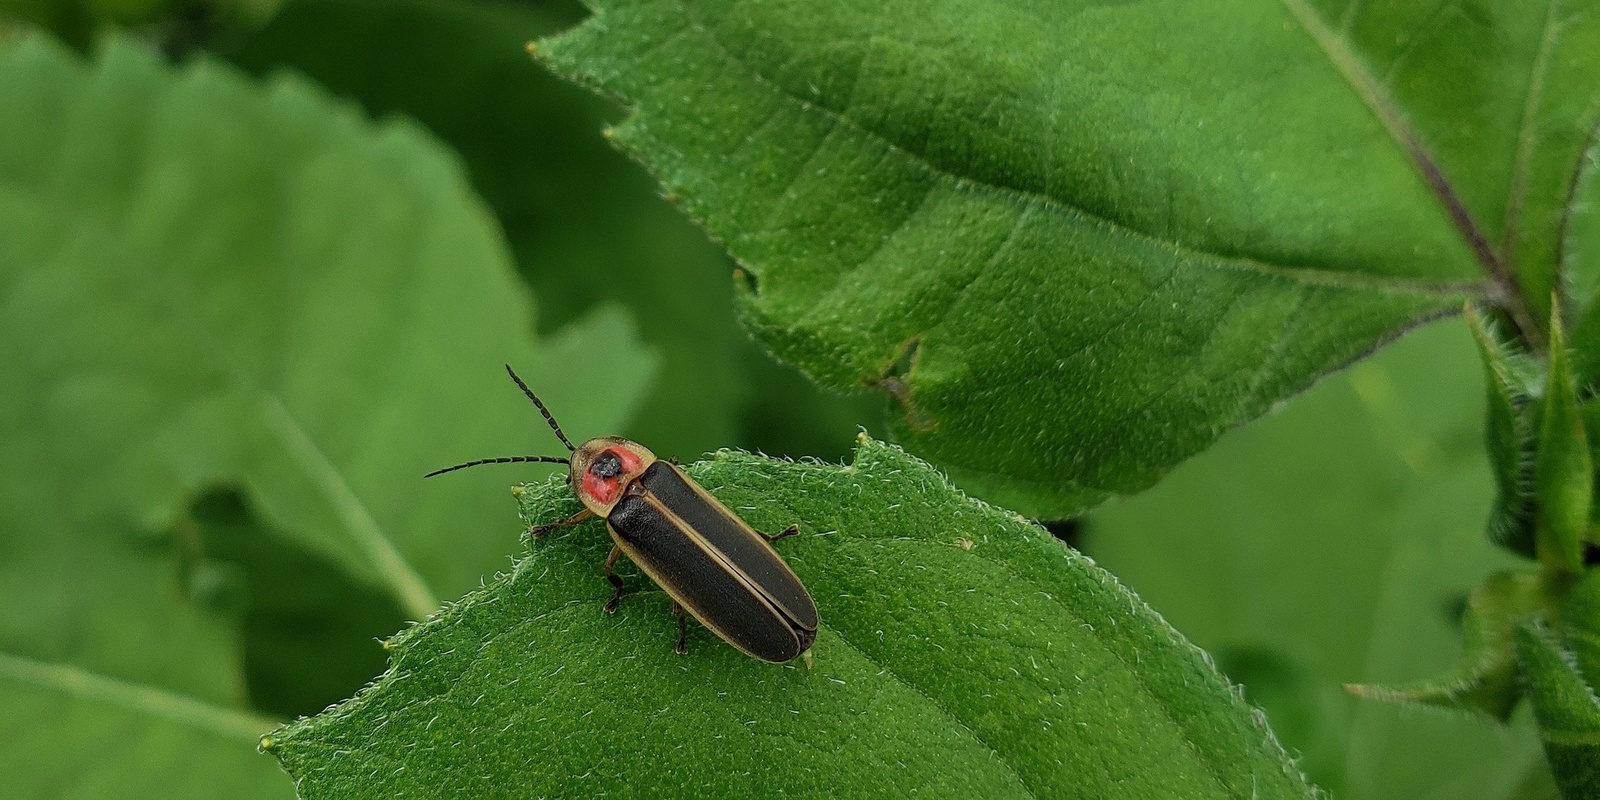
503 460
542 409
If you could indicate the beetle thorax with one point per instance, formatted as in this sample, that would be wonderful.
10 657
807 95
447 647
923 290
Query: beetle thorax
603 468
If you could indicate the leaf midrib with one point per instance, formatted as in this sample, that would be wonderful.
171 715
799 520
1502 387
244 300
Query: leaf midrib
410 589
408 586
1508 292
229 723
1191 254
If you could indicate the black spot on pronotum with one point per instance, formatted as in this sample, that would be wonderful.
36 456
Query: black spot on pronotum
606 466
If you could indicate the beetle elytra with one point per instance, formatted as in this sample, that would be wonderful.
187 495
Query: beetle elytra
709 561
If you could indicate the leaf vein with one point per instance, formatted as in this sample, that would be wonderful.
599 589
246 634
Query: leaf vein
1252 396
1132 668
888 670
1587 156
409 587
987 264
1521 164
1173 246
1129 316
1507 292
192 712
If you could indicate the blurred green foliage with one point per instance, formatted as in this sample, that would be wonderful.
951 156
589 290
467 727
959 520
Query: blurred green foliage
1334 543
240 322
584 223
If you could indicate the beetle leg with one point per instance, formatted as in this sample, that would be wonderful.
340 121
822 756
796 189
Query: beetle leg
792 530
683 632
540 530
611 575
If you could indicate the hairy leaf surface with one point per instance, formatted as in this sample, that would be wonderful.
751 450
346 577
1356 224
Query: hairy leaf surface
963 653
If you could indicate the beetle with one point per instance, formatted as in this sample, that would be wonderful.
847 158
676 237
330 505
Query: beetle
709 561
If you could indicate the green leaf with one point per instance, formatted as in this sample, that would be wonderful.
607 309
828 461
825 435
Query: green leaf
1501 97
1340 537
1075 259
1581 263
258 377
1509 436
1497 103
1589 411
1567 710
1580 622
1563 470
1488 680
963 653
214 285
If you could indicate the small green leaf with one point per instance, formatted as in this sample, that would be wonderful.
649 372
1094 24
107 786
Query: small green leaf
963 653
1488 681
1567 710
1563 470
1581 266
1509 437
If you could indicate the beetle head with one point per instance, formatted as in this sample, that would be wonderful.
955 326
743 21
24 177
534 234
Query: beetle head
602 469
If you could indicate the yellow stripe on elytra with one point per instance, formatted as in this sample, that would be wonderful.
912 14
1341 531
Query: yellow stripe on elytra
738 522
712 552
